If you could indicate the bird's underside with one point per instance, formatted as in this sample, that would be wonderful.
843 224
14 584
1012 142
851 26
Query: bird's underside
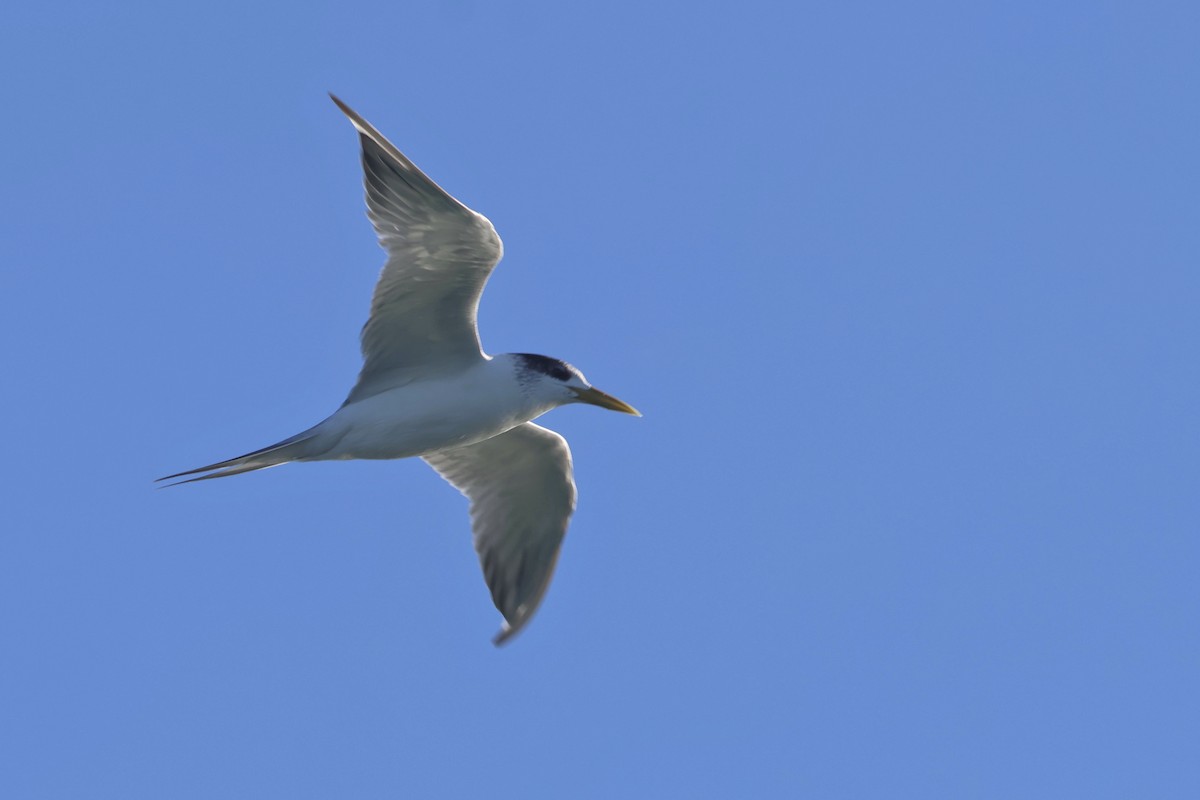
419 339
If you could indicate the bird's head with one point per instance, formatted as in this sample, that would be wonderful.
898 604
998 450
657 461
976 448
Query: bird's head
558 383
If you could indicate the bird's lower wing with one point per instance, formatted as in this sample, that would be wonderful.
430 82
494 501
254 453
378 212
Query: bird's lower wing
522 495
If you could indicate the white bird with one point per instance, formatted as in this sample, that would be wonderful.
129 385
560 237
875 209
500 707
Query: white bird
427 388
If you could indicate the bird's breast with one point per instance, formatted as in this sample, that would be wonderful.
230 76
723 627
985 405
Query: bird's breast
426 416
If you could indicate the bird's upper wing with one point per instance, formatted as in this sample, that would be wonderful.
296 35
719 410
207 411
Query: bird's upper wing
439 256
522 495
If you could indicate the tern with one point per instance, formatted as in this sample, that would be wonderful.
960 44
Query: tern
427 389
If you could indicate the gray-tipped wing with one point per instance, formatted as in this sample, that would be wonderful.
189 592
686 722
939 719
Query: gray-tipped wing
522 495
439 256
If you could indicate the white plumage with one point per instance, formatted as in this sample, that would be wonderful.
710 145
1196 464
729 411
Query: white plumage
427 389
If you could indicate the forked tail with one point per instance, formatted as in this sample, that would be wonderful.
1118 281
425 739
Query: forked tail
279 453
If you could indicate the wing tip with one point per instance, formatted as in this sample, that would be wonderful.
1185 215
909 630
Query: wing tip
338 102
358 122
510 629
507 632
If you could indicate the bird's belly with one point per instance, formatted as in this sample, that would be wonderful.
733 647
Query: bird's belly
401 424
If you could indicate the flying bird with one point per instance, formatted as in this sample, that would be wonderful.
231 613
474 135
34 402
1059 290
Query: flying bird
427 389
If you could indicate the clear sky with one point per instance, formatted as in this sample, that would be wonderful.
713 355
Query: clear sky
908 294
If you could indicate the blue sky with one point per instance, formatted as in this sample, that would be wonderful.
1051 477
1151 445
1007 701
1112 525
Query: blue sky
907 293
